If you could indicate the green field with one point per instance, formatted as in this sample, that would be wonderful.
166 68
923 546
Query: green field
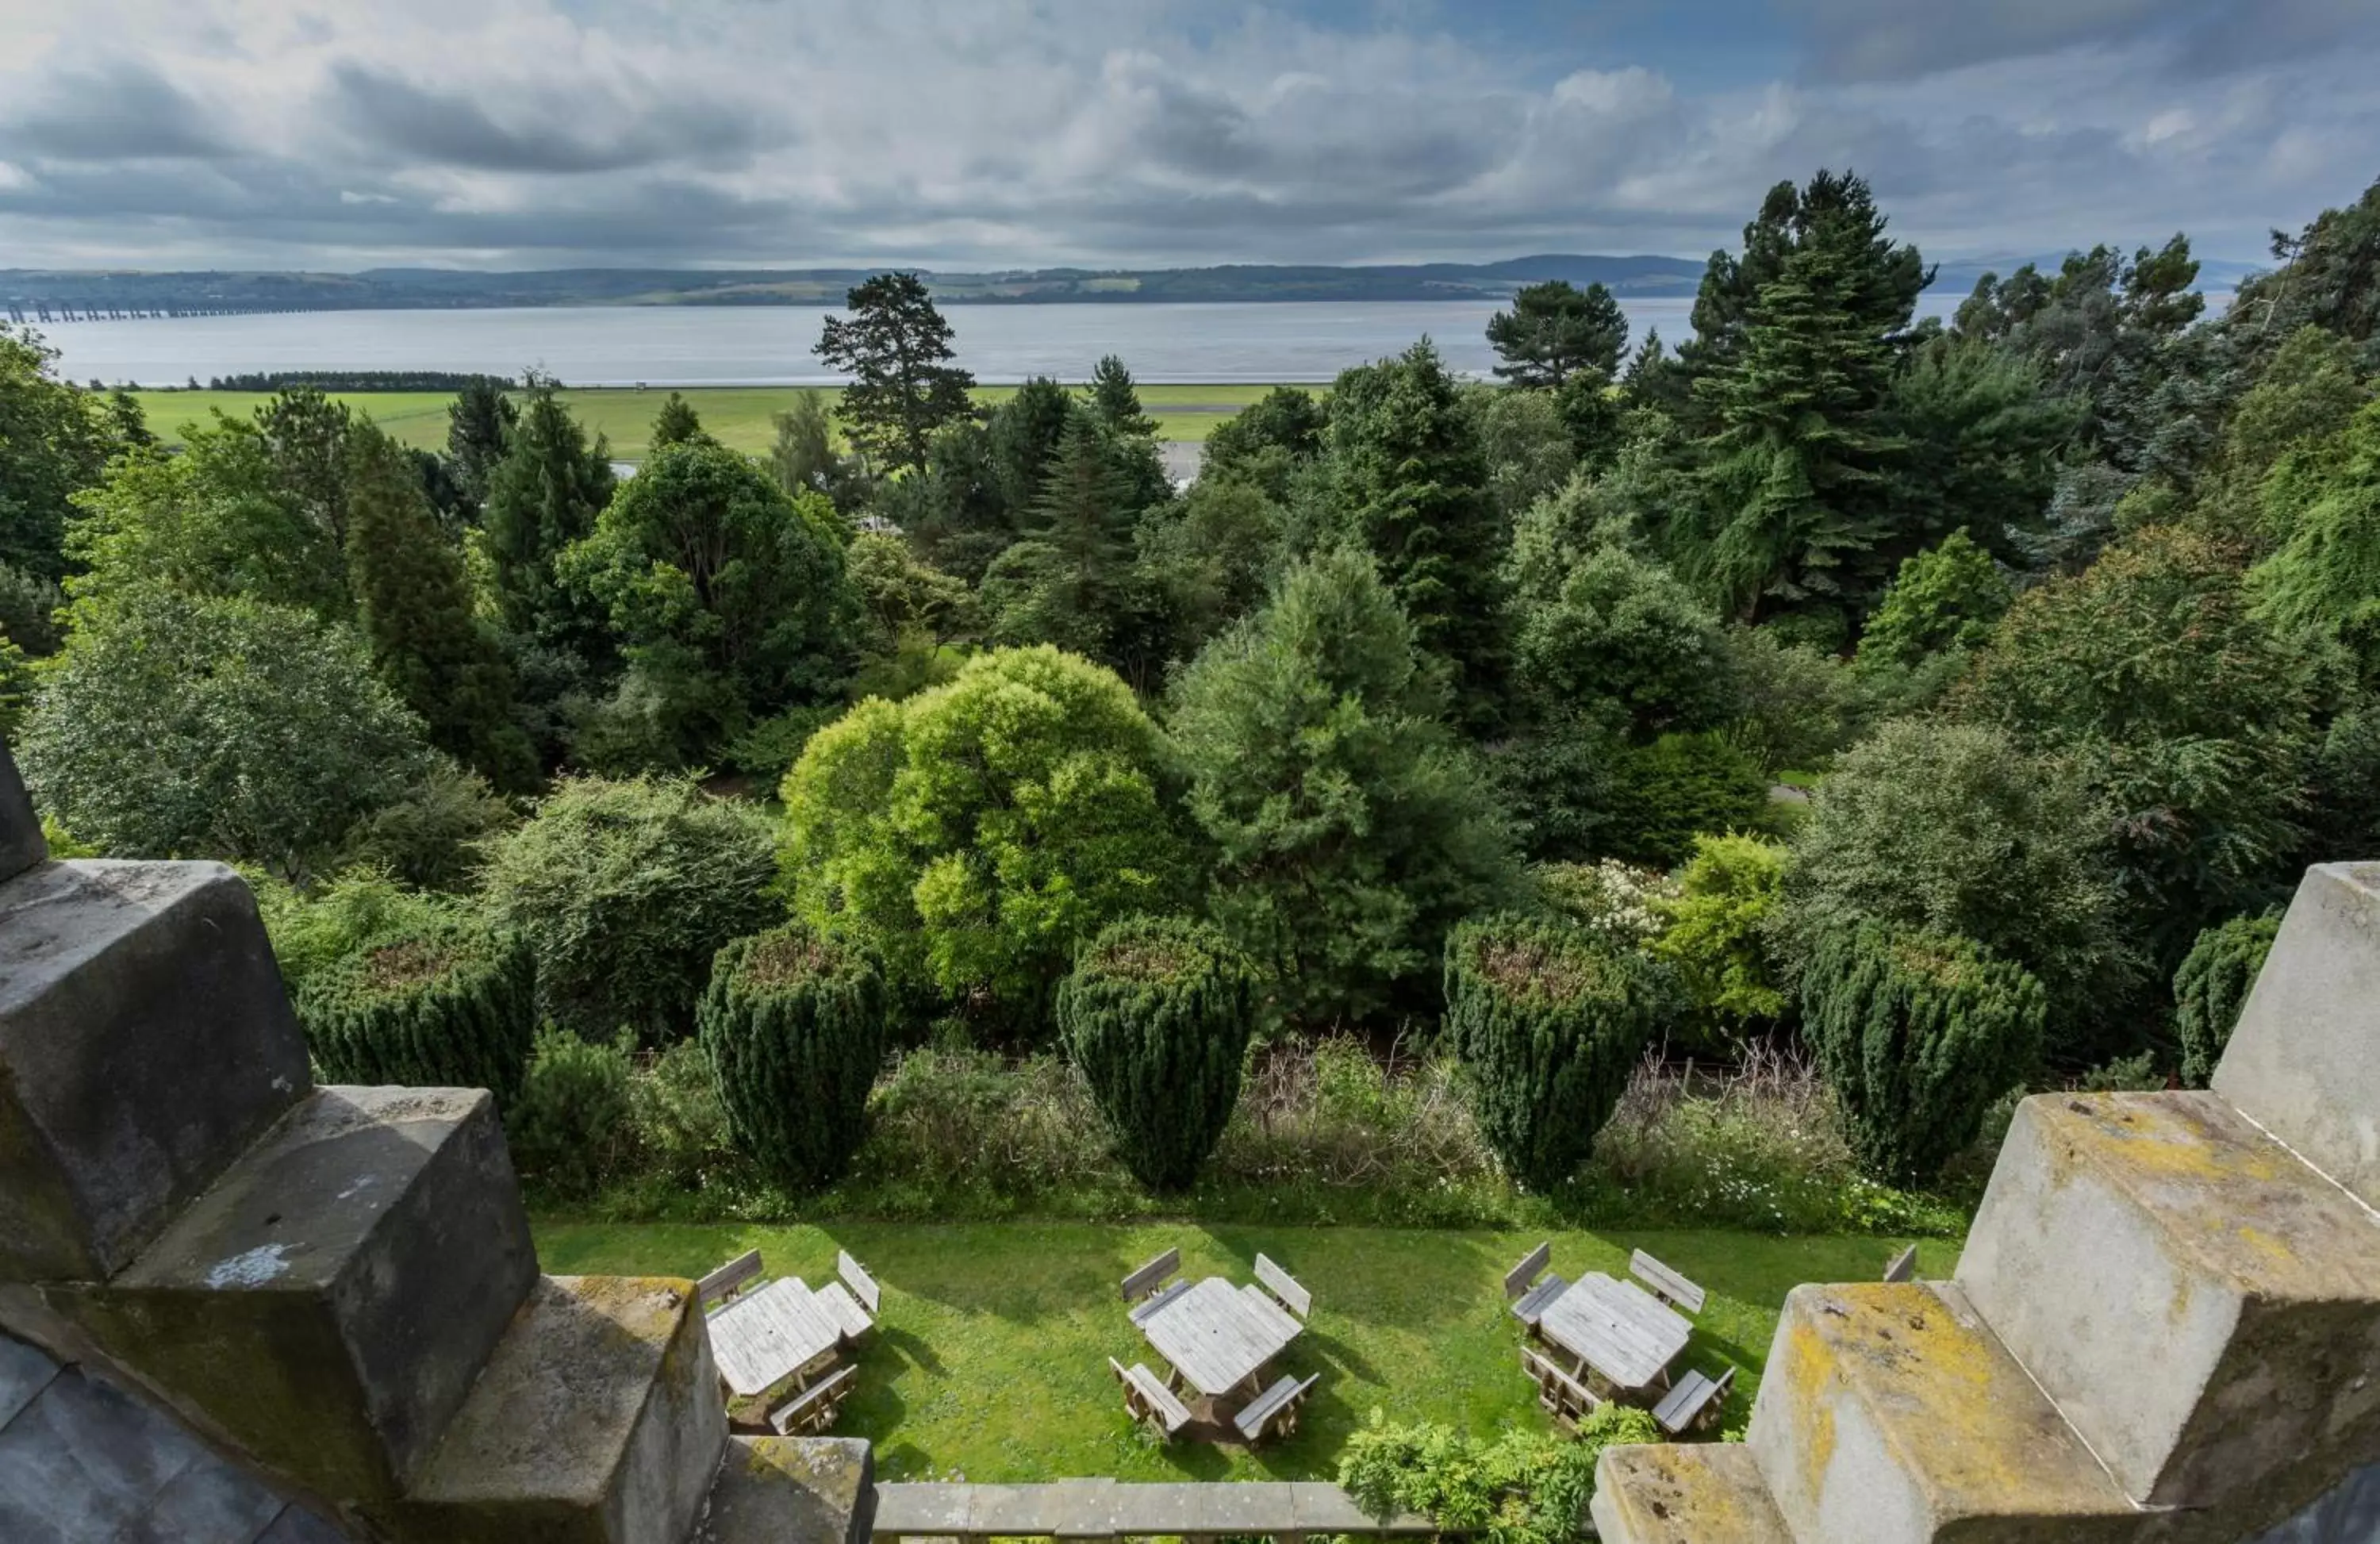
737 415
991 1361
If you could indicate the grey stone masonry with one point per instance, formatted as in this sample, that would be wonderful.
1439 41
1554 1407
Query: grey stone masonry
21 843
145 1041
2304 1061
791 1490
331 1300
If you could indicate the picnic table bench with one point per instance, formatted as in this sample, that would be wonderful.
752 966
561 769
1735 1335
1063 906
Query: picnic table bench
1696 1399
1666 1284
855 1300
814 1409
774 1333
1618 1330
1146 1398
1565 1398
1218 1336
1528 1292
1283 1287
721 1285
1276 1408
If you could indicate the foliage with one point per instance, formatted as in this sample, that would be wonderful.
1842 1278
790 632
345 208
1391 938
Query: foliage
2325 578
178 726
1920 1033
2329 278
1158 1012
54 441
624 889
452 1003
1409 483
1202 563
1980 431
1795 704
1953 830
1522 1488
1527 442
1662 795
478 424
1555 330
677 423
1069 582
802 457
895 345
1548 1020
795 1027
972 835
1947 597
430 835
726 591
2212 987
1625 907
1719 937
544 495
1117 401
1267 441
568 1129
1349 827
902 595
1609 626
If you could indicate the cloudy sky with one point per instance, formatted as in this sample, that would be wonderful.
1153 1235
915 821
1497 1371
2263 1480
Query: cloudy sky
542 133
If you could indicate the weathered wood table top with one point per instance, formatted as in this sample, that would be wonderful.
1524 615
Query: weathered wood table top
1617 1328
770 1333
1218 1336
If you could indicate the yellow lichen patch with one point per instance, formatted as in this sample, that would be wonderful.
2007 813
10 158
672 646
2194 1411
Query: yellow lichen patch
1690 1493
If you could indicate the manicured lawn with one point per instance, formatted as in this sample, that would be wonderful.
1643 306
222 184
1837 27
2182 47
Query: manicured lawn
737 415
992 1358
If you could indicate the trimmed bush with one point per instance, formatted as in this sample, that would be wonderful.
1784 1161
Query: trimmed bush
1718 935
1919 1033
2212 986
1548 1020
566 1131
450 1005
1158 1015
1664 795
794 1026
624 889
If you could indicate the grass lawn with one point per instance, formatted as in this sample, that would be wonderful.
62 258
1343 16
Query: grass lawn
737 415
991 1360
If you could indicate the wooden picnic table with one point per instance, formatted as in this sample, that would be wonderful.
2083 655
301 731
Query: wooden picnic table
1623 1332
771 1334
1220 1336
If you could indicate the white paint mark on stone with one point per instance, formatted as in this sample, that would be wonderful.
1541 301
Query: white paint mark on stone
366 1182
255 1268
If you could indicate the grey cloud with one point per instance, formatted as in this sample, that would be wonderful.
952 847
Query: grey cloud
1892 40
126 111
556 128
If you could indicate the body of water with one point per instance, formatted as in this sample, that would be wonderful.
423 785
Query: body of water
755 345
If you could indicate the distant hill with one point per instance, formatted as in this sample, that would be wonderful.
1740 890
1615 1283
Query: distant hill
26 289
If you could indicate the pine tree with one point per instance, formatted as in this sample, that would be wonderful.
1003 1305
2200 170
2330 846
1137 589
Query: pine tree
676 424
2212 987
1117 400
1069 582
479 426
542 497
794 1024
896 346
1556 330
415 600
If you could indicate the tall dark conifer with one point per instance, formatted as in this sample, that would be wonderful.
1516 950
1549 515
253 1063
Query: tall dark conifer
542 497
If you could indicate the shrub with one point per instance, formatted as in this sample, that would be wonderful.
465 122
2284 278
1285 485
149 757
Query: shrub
972 836
626 890
794 1026
675 1116
1624 905
2212 987
1158 1015
1520 1488
1919 1033
1718 936
1666 794
1548 1020
566 1129
452 1003
431 836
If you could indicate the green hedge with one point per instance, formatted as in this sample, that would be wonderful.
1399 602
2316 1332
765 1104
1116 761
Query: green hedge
2212 987
794 1023
1920 1034
448 1002
1157 1014
1548 1021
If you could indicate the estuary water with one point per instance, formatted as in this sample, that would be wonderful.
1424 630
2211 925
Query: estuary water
726 345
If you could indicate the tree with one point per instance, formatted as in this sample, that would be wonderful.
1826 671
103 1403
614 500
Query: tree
181 726
676 424
1603 625
2329 278
1267 441
1070 581
1979 435
1950 829
479 429
305 438
2325 578
1410 482
1719 933
1658 798
722 588
1526 438
1351 828
2212 987
1548 1021
1947 597
54 441
542 497
1157 1014
902 595
624 889
444 1002
794 1025
1022 436
1556 330
1117 401
1920 1034
413 604
972 836
1203 563
803 456
894 344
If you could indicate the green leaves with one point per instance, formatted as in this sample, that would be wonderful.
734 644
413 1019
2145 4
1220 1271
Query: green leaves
1521 1488
2212 987
795 1027
894 344
448 1002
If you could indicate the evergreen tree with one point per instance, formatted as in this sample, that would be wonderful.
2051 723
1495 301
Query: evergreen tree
1556 330
442 1001
1021 436
1117 400
676 424
479 427
794 1024
2212 987
1070 581
1267 441
2325 576
895 346
1947 597
413 603
542 497
307 437
2329 278
1411 485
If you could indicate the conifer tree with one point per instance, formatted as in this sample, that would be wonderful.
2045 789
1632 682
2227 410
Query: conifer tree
542 497
794 1024
479 426
1556 330
1117 400
414 601
896 346
676 424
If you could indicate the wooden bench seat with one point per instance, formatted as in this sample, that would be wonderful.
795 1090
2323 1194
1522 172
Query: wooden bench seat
721 1285
1565 1398
1146 1398
1283 1287
1155 1274
1157 1305
863 1285
814 1408
844 1310
1533 1265
1695 1399
1275 1408
1532 1304
1666 1284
